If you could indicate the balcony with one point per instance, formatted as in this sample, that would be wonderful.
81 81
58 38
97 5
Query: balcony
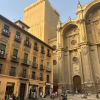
34 77
34 65
41 67
6 32
15 59
41 78
48 54
18 39
12 73
48 69
36 48
23 75
42 51
26 62
3 55
27 43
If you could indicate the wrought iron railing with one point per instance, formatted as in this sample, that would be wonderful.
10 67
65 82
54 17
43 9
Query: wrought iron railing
3 55
41 67
5 32
34 65
17 39
27 43
26 62
15 59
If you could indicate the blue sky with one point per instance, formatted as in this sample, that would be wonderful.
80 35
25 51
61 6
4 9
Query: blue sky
14 9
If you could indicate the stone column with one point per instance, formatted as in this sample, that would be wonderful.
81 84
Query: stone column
88 78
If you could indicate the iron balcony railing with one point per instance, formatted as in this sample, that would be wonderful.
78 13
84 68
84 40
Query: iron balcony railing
36 48
12 73
27 43
26 62
5 32
33 77
15 59
48 54
34 65
3 55
17 39
23 75
42 51
41 67
48 69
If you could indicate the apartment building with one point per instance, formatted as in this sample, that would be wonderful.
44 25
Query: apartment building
25 62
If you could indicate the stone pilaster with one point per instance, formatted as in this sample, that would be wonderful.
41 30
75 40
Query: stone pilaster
88 78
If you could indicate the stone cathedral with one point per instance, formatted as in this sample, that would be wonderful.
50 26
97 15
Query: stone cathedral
77 55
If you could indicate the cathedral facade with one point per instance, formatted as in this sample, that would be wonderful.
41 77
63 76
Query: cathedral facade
78 50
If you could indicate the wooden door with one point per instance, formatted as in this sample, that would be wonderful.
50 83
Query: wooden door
77 83
22 91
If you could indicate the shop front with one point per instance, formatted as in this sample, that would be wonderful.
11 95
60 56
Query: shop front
33 90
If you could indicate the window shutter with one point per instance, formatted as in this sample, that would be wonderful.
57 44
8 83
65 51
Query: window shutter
15 52
2 47
25 58
35 43
34 59
6 27
17 33
27 39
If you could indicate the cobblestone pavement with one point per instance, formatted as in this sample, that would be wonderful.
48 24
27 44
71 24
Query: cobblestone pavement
75 97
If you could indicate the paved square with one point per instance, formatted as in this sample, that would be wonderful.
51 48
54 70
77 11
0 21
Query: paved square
75 97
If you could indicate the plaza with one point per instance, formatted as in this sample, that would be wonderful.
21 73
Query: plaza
73 97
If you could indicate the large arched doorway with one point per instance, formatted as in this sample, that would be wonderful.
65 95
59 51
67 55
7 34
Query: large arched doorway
77 83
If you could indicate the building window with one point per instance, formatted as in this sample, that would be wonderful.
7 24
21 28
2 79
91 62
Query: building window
24 73
6 29
13 71
42 49
48 53
25 58
54 62
2 50
35 46
41 62
48 78
17 35
27 40
34 59
22 27
47 65
41 76
15 52
0 68
33 75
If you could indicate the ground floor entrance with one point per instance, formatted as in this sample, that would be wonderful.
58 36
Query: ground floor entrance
22 91
77 83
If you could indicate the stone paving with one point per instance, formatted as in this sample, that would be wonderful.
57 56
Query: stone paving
75 97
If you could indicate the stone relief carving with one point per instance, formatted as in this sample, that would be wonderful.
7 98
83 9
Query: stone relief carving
76 69
84 51
83 38
35 53
74 53
4 40
16 45
27 50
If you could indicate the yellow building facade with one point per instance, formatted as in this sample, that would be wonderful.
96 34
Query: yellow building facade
25 62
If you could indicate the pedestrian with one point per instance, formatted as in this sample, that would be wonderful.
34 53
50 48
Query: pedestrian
40 95
64 96
97 96
13 97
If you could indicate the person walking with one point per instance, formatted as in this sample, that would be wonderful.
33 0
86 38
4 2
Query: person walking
13 97
97 96
64 96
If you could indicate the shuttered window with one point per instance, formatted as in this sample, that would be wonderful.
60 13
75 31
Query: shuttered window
34 59
47 64
6 27
27 39
17 34
2 47
25 58
41 62
15 52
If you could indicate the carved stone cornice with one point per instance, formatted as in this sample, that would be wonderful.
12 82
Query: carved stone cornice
80 21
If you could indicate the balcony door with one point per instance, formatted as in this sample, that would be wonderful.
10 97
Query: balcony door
25 58
2 49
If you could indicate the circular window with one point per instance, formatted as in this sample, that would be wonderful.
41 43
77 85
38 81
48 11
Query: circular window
54 47
75 59
54 62
73 42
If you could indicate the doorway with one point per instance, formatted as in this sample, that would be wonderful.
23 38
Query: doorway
77 83
22 91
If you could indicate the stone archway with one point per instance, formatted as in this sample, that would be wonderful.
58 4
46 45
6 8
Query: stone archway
77 83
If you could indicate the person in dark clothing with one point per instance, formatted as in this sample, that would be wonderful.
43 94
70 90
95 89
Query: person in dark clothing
97 96
13 97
